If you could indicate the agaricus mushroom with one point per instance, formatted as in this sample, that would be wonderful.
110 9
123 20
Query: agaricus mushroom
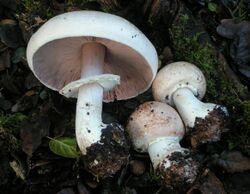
182 85
94 57
156 128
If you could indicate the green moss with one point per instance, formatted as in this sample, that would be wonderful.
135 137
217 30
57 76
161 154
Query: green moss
9 131
36 7
11 121
152 176
240 136
10 142
191 47
31 5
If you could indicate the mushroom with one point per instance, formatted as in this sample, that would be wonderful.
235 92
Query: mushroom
156 128
94 57
182 84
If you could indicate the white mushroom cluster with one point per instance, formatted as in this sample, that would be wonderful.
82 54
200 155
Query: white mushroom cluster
155 127
96 57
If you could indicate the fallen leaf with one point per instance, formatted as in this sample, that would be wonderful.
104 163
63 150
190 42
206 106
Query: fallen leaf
31 81
26 31
5 104
233 161
4 60
44 94
30 93
64 146
11 4
137 167
19 55
7 82
32 132
17 169
10 33
39 20
66 191
82 189
25 103
240 46
208 184
237 183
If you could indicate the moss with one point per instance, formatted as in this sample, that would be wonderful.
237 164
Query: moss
78 2
36 7
10 142
152 176
11 122
191 47
240 136
9 131
45 10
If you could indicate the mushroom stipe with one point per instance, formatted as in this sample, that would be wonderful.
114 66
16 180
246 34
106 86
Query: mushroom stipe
182 172
208 129
100 156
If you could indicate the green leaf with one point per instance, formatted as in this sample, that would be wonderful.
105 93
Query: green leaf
64 146
44 94
213 7
18 55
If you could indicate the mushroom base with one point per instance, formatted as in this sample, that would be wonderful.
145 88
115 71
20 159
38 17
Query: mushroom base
178 171
208 129
106 157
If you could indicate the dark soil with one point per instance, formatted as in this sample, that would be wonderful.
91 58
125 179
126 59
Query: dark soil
208 129
106 157
182 173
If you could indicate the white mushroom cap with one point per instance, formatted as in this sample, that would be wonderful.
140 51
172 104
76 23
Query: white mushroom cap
178 75
54 52
152 121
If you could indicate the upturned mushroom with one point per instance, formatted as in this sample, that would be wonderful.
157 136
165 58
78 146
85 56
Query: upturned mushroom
94 57
156 128
182 85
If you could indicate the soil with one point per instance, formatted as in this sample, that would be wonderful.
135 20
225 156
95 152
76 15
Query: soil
182 172
208 129
106 157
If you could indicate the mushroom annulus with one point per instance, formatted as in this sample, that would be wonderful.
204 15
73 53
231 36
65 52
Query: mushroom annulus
94 57
182 85
157 128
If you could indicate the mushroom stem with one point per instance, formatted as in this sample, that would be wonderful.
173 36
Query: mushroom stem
174 164
89 104
190 107
162 147
92 59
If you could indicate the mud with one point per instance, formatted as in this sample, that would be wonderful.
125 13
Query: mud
106 157
182 171
208 129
